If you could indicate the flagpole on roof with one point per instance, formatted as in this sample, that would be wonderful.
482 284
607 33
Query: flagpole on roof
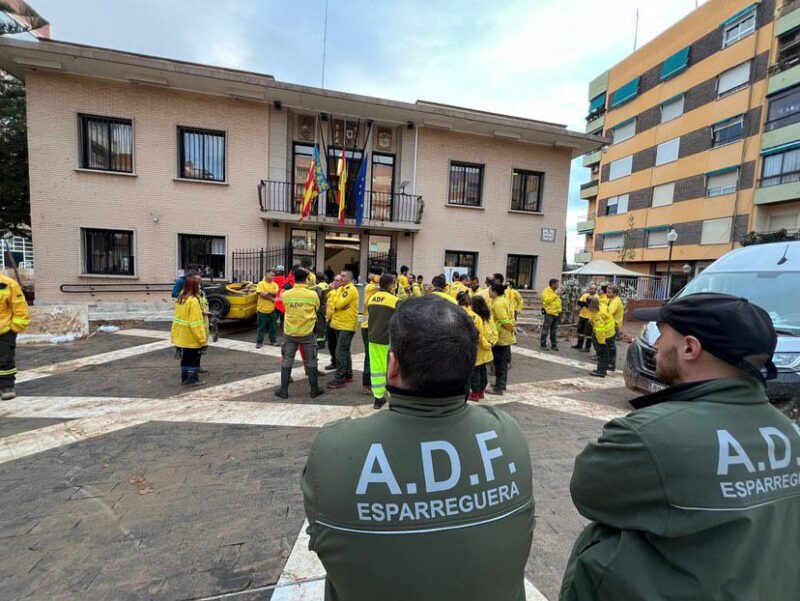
324 43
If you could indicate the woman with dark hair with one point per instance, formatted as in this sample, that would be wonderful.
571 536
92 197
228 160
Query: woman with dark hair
189 330
506 336
487 337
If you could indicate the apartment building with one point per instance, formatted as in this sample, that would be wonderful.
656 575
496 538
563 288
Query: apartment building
702 122
140 166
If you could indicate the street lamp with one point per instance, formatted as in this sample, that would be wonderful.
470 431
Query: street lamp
672 237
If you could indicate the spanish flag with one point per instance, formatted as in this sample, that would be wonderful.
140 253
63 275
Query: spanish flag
342 171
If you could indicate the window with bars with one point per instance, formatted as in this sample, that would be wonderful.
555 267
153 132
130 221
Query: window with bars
521 269
107 252
526 191
458 258
106 144
466 184
206 253
201 154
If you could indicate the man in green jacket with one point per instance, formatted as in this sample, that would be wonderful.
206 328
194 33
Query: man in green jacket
696 494
431 500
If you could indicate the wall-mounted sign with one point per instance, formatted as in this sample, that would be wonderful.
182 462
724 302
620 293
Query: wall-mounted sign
548 234
384 138
305 128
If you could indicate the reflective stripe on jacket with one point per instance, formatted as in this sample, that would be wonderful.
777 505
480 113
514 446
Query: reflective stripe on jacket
345 309
551 301
504 322
603 325
14 312
188 324
301 304
381 305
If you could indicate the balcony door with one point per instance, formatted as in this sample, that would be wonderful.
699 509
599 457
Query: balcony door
382 187
301 163
353 164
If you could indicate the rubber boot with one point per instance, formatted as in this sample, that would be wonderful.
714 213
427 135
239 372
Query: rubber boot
192 376
283 391
313 379
184 375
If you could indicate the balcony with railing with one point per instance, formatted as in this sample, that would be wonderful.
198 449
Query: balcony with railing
281 201
593 158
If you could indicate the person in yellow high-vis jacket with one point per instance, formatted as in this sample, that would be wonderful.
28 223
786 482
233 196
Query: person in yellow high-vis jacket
14 319
481 316
506 328
584 328
617 311
551 308
345 322
301 304
189 330
371 288
514 299
330 333
603 328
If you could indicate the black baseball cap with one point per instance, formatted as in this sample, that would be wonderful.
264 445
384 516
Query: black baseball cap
730 328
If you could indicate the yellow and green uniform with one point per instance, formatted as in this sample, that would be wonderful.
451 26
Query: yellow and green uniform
445 296
504 322
514 299
345 309
416 290
331 303
404 284
369 290
617 311
312 279
603 299
551 301
585 313
301 304
266 318
381 306
188 325
603 325
487 337
455 288
14 319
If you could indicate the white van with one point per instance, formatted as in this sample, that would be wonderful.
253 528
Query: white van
767 275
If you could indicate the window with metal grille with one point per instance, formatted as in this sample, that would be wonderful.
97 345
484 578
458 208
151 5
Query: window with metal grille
201 154
205 253
521 270
107 252
106 143
466 184
728 131
458 258
526 191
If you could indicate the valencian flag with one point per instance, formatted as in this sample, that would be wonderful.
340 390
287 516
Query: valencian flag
360 190
316 183
342 171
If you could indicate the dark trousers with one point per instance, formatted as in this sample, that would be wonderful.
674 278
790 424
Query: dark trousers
365 378
307 345
550 326
611 345
332 336
502 355
344 361
480 378
584 333
322 330
266 323
602 356
190 365
8 367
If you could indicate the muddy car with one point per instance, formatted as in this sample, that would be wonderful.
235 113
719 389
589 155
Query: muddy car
767 275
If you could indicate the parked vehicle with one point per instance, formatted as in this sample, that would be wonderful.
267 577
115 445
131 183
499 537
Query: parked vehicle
767 275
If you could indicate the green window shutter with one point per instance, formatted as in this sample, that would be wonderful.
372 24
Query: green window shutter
597 104
675 64
780 149
722 171
740 14
627 92
657 228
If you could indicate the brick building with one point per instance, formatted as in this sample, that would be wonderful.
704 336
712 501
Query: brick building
141 165
694 117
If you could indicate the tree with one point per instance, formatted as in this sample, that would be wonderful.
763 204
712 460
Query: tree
628 252
15 206
24 18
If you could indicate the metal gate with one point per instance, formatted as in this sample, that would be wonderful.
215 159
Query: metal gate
250 265
386 261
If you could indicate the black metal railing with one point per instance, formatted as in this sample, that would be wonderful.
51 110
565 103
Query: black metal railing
386 261
250 265
385 207
778 179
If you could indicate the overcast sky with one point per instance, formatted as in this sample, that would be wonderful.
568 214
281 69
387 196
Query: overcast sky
532 58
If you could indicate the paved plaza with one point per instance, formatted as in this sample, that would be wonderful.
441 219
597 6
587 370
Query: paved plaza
119 483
